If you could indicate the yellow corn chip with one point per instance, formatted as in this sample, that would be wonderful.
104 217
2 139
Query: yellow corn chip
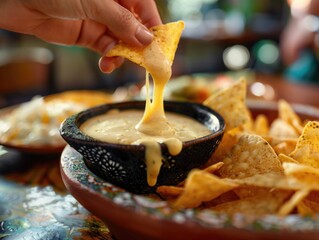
307 149
166 35
286 159
225 197
261 125
250 156
287 113
224 148
304 210
285 147
230 104
308 207
201 186
268 180
244 192
289 206
168 192
282 129
253 206
214 167
306 175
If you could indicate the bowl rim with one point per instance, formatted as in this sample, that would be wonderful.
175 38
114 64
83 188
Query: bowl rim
70 127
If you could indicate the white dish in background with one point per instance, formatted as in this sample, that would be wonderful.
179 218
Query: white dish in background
21 130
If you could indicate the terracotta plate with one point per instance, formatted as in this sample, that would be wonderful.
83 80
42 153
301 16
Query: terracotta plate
131 216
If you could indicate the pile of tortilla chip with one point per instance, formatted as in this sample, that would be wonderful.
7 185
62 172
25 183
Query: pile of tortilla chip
260 167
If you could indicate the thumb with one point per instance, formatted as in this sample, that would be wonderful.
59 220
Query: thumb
119 20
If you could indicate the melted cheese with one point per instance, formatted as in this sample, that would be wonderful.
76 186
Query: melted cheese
154 120
153 127
120 127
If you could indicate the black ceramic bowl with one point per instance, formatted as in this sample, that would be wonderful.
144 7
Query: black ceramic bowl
124 165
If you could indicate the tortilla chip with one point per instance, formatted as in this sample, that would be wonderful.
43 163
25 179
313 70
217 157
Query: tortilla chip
268 180
168 192
254 206
287 113
225 197
166 35
228 141
306 175
289 206
285 147
230 104
214 167
201 186
308 207
281 129
250 156
286 159
307 149
261 125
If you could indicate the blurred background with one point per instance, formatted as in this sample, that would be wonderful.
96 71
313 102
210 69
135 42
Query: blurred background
220 36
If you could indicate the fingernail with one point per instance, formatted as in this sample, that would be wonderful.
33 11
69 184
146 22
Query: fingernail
109 47
143 35
105 65
110 68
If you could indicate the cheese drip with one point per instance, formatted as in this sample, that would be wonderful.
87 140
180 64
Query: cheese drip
158 66
154 121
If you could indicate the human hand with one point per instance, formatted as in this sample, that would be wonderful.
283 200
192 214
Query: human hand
95 24
298 35
295 38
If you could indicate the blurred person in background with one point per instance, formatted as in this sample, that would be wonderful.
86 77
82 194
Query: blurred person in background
94 24
300 41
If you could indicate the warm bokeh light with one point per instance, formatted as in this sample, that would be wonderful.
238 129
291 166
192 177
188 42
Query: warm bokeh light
268 53
261 90
236 57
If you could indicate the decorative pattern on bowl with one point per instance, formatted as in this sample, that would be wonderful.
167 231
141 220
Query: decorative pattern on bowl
124 165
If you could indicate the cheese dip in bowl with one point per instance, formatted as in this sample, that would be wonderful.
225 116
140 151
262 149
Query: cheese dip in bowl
115 149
